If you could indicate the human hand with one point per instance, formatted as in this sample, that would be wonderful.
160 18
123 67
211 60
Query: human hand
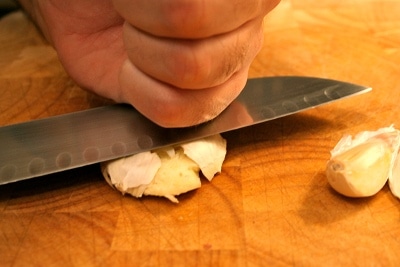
178 62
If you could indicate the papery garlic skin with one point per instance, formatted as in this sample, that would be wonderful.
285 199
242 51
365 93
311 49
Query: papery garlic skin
347 141
132 174
209 153
360 167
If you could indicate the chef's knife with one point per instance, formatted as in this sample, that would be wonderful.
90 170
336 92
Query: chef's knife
68 141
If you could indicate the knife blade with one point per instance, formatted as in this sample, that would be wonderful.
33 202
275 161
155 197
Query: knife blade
63 142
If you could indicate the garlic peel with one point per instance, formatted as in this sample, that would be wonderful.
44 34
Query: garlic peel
347 141
209 153
142 167
360 167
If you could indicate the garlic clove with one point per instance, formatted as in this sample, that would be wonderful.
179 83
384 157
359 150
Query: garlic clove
169 171
394 177
361 166
360 171
178 174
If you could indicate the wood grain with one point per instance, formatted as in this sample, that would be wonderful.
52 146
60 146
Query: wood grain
270 206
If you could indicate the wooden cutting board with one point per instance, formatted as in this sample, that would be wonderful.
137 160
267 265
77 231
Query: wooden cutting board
270 206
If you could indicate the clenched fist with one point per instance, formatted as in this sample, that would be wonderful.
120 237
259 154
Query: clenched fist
179 62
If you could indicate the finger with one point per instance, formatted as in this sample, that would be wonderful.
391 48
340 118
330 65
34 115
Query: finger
194 64
191 18
169 106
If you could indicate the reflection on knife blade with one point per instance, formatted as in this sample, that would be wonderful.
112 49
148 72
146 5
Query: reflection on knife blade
68 141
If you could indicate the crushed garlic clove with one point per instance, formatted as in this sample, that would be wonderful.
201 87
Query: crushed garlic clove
178 174
361 166
168 171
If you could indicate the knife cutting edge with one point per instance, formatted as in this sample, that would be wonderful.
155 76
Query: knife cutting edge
58 143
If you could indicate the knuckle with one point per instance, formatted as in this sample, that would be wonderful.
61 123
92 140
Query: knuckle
191 68
185 112
178 115
186 18
167 115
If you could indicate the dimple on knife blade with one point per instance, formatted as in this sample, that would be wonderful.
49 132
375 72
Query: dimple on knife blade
59 143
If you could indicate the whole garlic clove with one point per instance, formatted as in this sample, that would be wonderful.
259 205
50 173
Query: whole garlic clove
361 166
360 171
394 177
